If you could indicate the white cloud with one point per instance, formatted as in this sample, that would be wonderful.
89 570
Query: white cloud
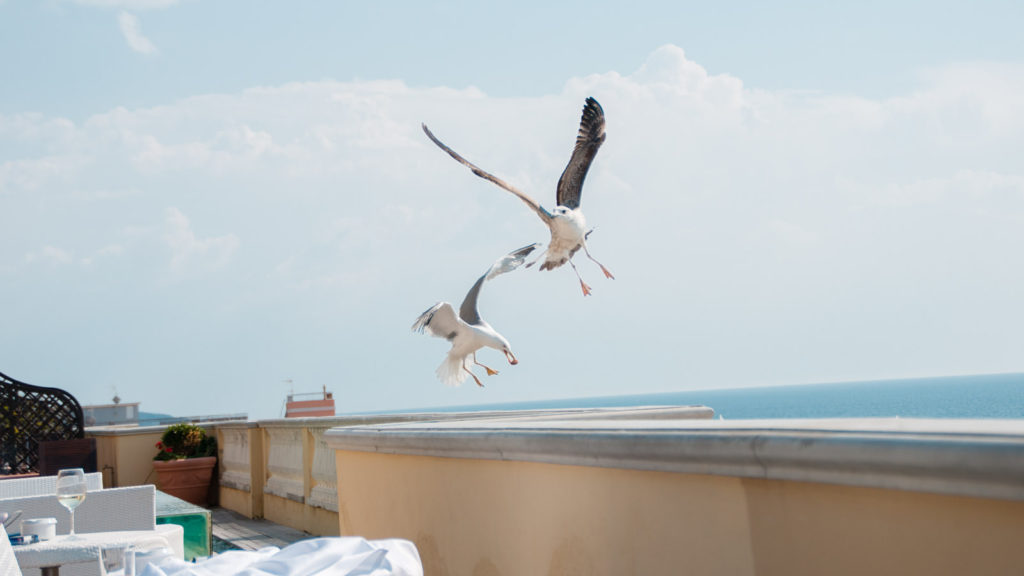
132 33
187 249
49 255
128 4
31 174
109 251
759 236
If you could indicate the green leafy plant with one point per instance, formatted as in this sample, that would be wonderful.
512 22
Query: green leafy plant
184 440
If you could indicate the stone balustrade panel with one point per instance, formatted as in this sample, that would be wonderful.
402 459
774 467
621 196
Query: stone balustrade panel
324 493
284 463
235 466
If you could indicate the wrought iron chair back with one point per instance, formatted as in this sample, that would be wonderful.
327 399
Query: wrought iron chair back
29 415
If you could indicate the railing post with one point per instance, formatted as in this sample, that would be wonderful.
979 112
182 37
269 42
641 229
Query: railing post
257 469
324 493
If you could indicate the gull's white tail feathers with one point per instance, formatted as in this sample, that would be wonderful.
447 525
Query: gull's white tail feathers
450 372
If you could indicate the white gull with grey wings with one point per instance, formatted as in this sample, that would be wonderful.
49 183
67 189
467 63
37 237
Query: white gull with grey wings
468 332
566 222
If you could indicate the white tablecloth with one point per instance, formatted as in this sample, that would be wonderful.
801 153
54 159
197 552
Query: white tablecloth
61 551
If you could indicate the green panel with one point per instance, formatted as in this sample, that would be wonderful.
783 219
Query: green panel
197 533
195 521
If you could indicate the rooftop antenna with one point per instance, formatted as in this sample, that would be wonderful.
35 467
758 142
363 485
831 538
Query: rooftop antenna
291 392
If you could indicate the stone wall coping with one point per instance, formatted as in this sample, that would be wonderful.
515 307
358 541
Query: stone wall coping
233 424
93 431
980 458
646 412
128 430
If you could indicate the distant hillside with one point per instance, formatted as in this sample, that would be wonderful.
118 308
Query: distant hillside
157 418
154 417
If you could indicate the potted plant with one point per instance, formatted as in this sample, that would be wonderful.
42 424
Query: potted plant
184 465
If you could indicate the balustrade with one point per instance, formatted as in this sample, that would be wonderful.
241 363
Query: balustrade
285 457
235 464
324 492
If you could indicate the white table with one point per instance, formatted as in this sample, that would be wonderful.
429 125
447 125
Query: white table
49 556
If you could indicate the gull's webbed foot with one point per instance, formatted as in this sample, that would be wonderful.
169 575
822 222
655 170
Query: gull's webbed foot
490 371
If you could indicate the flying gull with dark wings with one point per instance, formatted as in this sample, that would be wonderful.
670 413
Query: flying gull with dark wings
565 221
468 332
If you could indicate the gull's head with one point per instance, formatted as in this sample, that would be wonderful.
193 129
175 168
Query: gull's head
560 211
506 349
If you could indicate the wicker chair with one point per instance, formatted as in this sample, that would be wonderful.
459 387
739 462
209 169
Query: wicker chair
132 507
103 510
128 508
42 485
30 415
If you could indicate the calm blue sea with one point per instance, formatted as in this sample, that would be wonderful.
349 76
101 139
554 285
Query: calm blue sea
984 396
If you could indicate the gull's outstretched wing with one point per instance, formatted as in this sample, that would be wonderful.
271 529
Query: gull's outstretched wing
510 261
507 263
588 141
533 204
438 321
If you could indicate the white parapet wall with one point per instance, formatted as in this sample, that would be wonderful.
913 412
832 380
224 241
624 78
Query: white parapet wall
284 470
631 493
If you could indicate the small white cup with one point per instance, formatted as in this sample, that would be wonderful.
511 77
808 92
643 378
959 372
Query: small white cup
43 528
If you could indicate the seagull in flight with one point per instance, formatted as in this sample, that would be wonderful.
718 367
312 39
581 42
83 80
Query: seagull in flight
468 332
566 221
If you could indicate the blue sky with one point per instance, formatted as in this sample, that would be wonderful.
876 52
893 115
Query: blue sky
207 198
72 58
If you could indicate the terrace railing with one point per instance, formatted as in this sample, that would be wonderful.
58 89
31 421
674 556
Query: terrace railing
32 414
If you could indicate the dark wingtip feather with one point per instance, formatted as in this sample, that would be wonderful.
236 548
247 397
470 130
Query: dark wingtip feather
591 122
589 138
424 319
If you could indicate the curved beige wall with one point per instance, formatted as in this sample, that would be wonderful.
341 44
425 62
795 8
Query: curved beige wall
800 528
485 517
488 517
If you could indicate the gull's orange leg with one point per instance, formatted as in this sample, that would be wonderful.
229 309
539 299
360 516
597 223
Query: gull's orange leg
490 371
607 274
586 289
470 372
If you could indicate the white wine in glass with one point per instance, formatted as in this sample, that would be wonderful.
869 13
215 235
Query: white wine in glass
71 492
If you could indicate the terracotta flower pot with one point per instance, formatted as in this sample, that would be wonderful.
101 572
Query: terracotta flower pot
186 479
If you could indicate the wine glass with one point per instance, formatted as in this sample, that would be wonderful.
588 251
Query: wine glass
71 492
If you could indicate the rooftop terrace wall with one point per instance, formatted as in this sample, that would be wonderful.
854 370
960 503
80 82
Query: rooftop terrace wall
282 469
525 495
630 491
